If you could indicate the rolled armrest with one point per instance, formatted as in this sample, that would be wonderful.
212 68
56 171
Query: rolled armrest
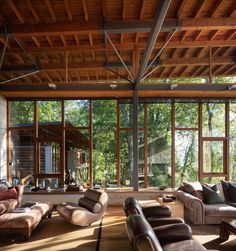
190 201
156 211
195 209
173 233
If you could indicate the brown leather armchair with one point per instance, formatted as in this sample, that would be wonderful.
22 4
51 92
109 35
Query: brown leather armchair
155 215
165 238
90 208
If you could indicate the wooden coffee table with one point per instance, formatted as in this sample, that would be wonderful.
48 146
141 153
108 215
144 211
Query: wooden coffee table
227 227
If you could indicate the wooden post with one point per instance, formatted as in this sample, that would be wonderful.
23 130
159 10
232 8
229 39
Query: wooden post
91 143
173 144
200 143
145 146
118 143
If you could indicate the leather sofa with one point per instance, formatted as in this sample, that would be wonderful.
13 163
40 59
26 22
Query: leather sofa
155 215
199 213
169 238
89 209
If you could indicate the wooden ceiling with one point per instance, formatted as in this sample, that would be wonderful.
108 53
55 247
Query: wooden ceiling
79 45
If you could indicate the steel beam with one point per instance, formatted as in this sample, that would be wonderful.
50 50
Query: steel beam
4 50
15 78
160 15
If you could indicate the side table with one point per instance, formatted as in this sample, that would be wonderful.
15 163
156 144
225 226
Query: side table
176 207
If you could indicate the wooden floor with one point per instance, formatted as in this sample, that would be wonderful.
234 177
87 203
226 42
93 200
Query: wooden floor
56 235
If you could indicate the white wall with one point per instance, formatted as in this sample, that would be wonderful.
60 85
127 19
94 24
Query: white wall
3 138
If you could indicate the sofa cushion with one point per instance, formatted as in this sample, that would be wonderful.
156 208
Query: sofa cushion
220 210
9 194
92 206
194 188
212 195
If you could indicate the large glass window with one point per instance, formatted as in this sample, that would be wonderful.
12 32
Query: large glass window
213 117
159 145
49 136
77 113
21 113
186 156
104 143
77 157
22 142
173 142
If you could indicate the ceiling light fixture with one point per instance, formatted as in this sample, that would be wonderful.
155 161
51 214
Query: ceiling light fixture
52 86
173 86
230 87
113 86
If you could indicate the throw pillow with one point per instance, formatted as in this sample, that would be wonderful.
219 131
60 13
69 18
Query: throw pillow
232 192
212 195
226 187
194 188
9 194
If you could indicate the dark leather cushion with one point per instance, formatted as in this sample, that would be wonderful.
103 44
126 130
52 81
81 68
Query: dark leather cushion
232 192
93 195
212 195
173 233
226 188
92 206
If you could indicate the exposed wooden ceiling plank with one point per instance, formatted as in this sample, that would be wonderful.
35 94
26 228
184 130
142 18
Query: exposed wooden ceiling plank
85 10
197 35
76 40
63 40
16 11
180 8
68 10
36 41
49 41
199 8
187 24
33 10
219 60
215 8
126 46
50 9
230 34
213 34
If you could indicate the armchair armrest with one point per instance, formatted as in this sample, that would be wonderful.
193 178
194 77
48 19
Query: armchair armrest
156 222
173 233
156 211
